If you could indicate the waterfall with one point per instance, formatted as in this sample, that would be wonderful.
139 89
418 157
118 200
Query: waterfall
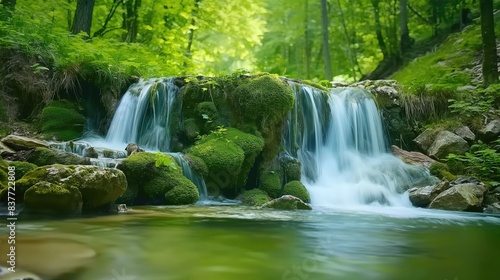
339 139
191 175
146 115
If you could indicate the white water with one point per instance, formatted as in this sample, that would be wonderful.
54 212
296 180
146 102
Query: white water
344 154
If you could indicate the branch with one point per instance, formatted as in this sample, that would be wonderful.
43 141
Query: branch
418 15
111 13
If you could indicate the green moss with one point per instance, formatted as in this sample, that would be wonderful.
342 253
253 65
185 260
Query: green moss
290 169
61 120
297 189
208 109
22 168
4 119
441 171
53 198
254 197
3 174
270 183
44 156
185 192
219 154
197 164
191 129
264 98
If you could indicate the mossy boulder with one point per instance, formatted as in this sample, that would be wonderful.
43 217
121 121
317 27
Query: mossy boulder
290 169
98 186
22 168
191 130
62 121
255 197
271 184
46 197
185 192
207 116
149 183
224 160
197 164
441 171
297 189
264 97
44 156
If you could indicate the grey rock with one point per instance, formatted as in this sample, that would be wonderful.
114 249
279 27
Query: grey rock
425 139
491 131
465 133
447 143
91 153
4 150
19 143
492 208
422 197
287 202
413 158
463 197
467 88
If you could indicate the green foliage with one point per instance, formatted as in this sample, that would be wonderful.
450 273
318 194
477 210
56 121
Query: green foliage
297 189
271 184
482 161
165 160
255 197
61 121
478 104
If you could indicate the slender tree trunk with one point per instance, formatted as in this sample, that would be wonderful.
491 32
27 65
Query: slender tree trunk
490 70
69 17
307 43
326 40
191 30
131 20
378 29
82 20
405 40
347 40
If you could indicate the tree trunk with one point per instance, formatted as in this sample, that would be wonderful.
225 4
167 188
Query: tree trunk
490 70
307 43
405 40
82 20
378 29
326 40
347 40
131 20
191 30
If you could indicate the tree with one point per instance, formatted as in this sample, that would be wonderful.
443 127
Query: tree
82 20
490 70
131 20
326 40
405 40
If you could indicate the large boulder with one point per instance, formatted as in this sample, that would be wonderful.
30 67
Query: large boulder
255 197
462 197
156 179
447 143
287 202
425 139
45 197
19 143
465 133
61 121
4 150
413 158
98 186
297 189
422 197
44 156
491 131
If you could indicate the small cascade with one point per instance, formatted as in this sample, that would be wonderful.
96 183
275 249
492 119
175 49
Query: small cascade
191 175
146 115
339 139
103 157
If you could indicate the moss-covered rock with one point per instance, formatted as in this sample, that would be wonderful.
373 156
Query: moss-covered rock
191 130
149 183
264 97
287 202
197 164
98 186
255 197
271 184
441 171
19 143
46 197
62 121
290 169
297 189
22 168
223 159
185 192
3 174
44 156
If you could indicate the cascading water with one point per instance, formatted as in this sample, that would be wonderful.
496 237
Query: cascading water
339 139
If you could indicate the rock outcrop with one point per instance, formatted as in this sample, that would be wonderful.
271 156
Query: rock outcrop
461 197
447 143
18 143
413 158
491 131
422 197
